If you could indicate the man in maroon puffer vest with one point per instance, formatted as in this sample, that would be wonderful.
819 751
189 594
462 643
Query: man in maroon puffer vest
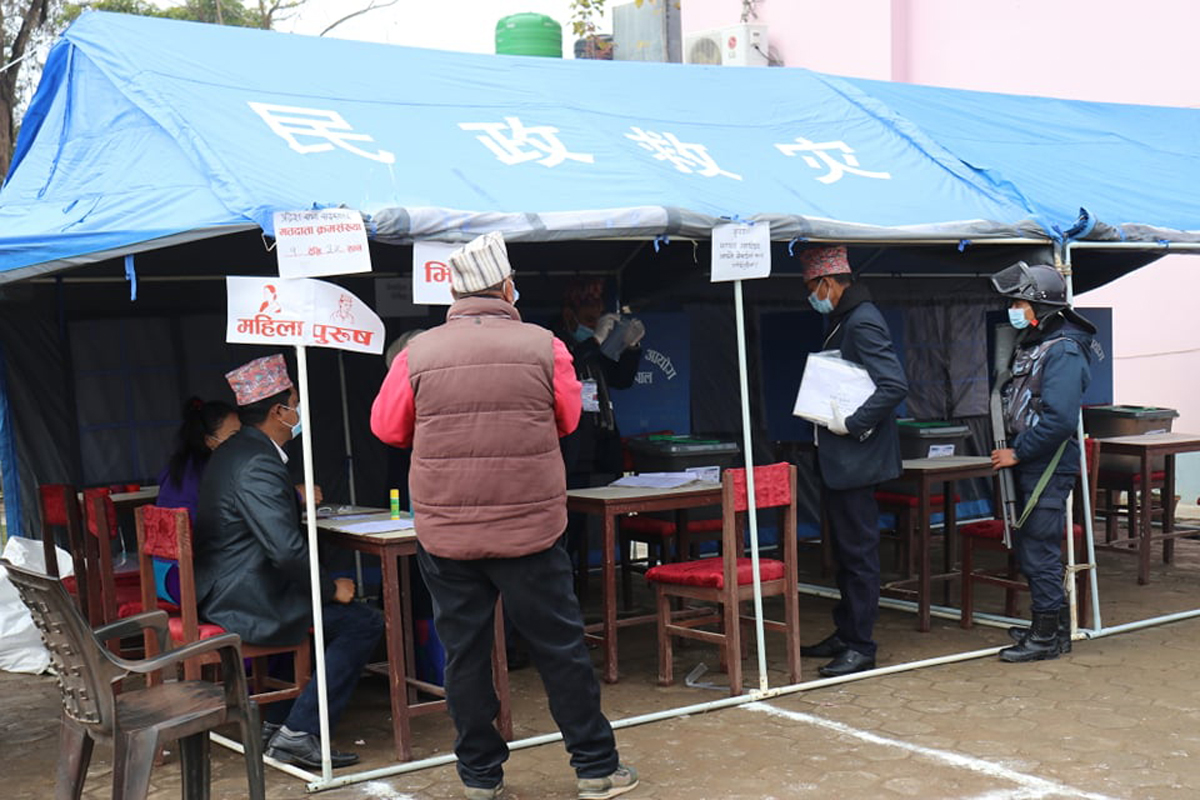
482 400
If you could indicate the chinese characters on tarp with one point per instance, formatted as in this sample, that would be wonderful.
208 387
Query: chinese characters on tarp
514 141
299 311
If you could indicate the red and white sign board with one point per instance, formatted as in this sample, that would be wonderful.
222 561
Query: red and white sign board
302 312
327 241
431 273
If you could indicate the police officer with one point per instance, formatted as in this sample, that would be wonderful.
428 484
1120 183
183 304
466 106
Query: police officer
1051 369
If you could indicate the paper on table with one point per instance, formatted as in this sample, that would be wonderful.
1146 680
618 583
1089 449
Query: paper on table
655 480
378 526
828 377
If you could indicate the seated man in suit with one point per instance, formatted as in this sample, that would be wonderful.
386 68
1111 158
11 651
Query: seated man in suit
251 560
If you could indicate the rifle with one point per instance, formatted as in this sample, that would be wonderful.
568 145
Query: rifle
1006 342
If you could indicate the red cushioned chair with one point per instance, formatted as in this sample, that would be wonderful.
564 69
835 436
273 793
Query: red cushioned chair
727 581
167 533
904 507
120 594
99 592
663 541
59 505
989 535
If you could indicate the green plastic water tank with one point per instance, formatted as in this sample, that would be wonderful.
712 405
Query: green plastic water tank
529 35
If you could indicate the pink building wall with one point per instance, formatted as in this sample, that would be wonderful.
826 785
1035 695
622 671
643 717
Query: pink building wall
1100 50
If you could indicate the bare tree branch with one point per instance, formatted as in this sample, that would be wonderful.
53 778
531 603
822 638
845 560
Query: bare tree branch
372 6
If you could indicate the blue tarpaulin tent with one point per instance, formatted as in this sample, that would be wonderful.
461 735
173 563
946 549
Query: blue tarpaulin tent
147 133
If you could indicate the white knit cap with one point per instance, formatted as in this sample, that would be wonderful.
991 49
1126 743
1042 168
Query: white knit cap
479 264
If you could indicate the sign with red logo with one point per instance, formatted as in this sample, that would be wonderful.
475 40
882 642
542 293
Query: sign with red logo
431 273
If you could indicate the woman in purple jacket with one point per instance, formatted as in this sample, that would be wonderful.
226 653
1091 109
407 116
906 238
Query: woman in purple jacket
205 426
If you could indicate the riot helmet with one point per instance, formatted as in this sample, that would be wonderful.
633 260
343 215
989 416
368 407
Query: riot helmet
1040 285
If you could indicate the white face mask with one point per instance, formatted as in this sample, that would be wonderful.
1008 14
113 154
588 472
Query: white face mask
298 428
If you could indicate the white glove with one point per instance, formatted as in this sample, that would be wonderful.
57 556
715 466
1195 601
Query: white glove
837 422
604 326
637 330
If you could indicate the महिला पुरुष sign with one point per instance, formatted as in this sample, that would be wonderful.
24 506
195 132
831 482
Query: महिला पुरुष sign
300 312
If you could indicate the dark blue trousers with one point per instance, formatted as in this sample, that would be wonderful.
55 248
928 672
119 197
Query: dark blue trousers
540 603
1039 540
854 526
351 633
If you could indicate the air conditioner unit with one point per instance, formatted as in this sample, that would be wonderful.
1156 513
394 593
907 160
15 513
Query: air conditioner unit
743 45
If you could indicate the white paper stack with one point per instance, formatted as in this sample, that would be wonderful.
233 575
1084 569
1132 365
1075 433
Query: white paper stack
828 377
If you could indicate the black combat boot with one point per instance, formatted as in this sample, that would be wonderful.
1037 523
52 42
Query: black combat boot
1019 633
1040 644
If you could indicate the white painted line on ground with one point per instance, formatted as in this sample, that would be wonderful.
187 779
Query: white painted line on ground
1031 787
378 790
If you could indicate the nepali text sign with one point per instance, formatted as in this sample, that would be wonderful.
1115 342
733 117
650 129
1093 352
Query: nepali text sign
302 312
431 273
327 241
741 250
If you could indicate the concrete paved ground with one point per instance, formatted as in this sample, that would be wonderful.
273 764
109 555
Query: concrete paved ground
1119 717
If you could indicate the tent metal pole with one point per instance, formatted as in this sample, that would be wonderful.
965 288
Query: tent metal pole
1088 511
358 575
314 571
1192 247
673 713
751 505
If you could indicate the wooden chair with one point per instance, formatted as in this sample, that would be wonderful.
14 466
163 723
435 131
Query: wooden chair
663 541
903 506
98 591
59 505
1113 483
989 535
119 595
136 721
167 533
727 581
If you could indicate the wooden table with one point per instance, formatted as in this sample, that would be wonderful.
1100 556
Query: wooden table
130 500
926 473
1147 447
394 547
610 502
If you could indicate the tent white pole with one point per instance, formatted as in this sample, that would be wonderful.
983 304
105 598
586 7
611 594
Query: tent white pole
358 578
752 506
314 570
1088 511
672 713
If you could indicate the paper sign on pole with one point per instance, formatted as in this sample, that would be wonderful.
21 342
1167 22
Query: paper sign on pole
300 312
431 273
327 241
741 251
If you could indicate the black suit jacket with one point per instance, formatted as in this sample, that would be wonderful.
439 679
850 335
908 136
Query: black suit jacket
251 556
870 453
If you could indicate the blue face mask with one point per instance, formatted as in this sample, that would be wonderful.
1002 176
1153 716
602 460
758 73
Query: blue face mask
1016 318
583 333
821 306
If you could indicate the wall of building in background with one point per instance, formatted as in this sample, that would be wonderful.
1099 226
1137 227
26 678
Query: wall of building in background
1099 50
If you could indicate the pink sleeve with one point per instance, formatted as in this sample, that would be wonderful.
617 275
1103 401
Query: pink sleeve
393 413
568 394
